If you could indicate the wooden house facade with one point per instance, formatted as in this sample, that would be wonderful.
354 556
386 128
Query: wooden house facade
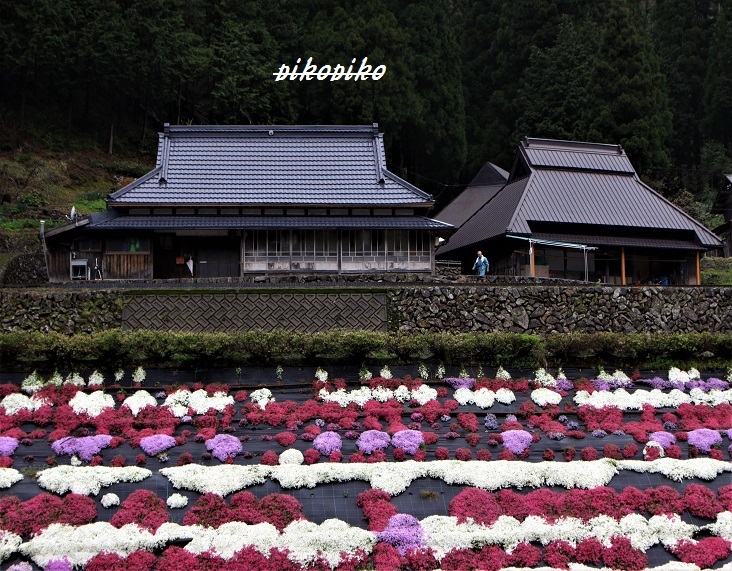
231 201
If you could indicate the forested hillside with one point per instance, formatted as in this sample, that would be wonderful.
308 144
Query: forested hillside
465 78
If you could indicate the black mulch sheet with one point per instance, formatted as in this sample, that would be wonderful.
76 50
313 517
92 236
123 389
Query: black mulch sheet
424 497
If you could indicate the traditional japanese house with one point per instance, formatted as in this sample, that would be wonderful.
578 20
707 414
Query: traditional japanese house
579 210
228 201
723 205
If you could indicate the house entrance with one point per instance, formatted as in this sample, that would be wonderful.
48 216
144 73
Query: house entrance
178 256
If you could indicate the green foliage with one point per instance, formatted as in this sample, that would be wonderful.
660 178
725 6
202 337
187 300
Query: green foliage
716 271
116 348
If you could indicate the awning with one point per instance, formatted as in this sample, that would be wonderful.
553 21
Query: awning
264 222
622 241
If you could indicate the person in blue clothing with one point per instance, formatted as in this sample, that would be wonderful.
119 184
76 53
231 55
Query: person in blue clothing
481 265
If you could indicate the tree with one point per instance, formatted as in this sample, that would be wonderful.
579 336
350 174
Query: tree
627 90
717 121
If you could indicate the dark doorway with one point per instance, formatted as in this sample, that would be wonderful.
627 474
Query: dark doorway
178 257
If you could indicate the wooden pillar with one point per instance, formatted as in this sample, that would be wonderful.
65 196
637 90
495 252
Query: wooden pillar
532 259
241 253
622 265
698 269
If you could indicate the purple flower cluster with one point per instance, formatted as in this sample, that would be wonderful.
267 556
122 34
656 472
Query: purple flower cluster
555 435
599 433
704 438
564 384
409 440
611 384
517 440
491 422
154 445
403 532
7 445
327 442
665 439
459 382
84 447
319 422
452 435
706 386
372 440
223 446
58 565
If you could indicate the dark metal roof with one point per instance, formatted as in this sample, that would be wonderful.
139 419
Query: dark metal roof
577 183
491 220
547 153
241 222
248 165
723 201
489 180
617 241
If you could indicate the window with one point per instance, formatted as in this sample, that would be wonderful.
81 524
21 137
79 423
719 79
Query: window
130 244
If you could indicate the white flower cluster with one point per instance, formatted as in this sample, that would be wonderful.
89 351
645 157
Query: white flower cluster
80 543
75 379
385 372
88 480
679 470
56 379
96 379
545 379
177 501
624 400
543 396
138 401
364 374
139 375
223 479
110 500
676 375
306 541
91 404
9 544
15 402
484 398
8 477
361 396
440 374
321 374
292 456
424 372
443 533
262 397
503 374
394 478
32 383
618 375
180 401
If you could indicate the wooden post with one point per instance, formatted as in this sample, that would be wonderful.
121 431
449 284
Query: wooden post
698 269
622 265
532 259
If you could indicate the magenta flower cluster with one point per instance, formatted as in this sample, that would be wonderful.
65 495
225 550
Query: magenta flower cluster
409 440
327 442
84 447
460 383
704 438
517 440
154 445
403 532
223 446
372 440
8 445
665 439
58 565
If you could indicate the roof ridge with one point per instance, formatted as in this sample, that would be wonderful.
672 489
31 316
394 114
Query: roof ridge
409 186
135 183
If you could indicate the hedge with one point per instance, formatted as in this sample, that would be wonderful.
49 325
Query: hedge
117 348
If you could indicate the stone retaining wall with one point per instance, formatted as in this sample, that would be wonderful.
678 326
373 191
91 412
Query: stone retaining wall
542 309
429 308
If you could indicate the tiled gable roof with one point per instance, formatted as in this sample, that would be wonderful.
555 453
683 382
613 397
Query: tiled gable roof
277 165
489 180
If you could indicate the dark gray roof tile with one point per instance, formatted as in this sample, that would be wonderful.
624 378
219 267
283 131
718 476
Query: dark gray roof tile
292 165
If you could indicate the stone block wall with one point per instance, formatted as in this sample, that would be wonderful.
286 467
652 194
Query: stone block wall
429 308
